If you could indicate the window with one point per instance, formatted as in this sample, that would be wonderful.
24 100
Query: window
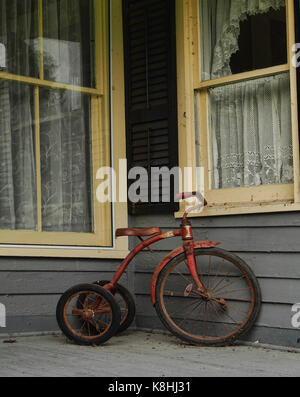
244 91
54 122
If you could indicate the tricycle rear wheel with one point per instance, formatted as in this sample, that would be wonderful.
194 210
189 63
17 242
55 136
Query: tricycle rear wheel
126 303
95 322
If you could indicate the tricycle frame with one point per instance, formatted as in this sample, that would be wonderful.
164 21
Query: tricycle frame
186 233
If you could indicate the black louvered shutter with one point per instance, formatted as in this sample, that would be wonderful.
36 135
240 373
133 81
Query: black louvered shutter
151 93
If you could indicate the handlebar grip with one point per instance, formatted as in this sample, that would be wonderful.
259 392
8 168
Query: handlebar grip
183 196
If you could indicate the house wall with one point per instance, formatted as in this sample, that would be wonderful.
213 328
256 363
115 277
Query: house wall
270 244
31 287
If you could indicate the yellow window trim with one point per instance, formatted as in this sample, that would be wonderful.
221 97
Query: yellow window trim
248 200
81 245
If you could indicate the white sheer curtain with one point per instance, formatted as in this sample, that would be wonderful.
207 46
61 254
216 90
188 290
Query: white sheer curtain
251 133
220 30
64 117
250 122
65 120
65 162
17 157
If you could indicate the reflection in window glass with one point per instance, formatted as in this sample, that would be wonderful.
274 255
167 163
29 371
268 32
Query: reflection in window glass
17 157
2 57
18 32
69 41
66 161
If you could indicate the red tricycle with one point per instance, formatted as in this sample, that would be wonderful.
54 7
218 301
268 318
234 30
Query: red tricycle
202 294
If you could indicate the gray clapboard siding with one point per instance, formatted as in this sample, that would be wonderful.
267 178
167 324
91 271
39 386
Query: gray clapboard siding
232 221
31 287
271 315
273 265
269 243
289 292
46 282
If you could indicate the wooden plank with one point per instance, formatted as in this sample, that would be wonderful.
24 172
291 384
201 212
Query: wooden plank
271 220
264 265
242 239
30 324
70 265
41 283
243 221
285 239
271 315
275 291
30 305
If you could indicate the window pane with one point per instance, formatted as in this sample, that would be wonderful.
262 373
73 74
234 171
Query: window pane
251 133
18 36
69 38
239 36
17 157
66 161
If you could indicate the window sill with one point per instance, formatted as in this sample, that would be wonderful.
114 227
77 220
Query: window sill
243 208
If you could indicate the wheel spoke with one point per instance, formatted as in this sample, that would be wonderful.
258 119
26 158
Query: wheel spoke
233 282
218 271
208 280
181 323
183 308
200 270
219 317
235 290
237 309
220 281
180 274
204 322
230 317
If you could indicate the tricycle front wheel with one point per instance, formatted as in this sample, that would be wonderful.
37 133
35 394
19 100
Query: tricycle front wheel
218 317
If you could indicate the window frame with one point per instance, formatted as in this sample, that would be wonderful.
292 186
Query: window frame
267 198
107 116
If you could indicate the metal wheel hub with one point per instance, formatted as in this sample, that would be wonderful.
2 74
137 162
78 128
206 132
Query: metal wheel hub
88 314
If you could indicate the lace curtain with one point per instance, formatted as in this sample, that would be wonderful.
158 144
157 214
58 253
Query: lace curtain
64 125
220 30
251 139
65 120
17 153
250 122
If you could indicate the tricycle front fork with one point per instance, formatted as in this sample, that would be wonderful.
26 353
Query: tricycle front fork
188 244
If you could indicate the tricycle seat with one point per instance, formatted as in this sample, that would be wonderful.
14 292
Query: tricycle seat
138 232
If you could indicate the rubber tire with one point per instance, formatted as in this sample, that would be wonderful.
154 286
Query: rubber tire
128 298
225 341
116 314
